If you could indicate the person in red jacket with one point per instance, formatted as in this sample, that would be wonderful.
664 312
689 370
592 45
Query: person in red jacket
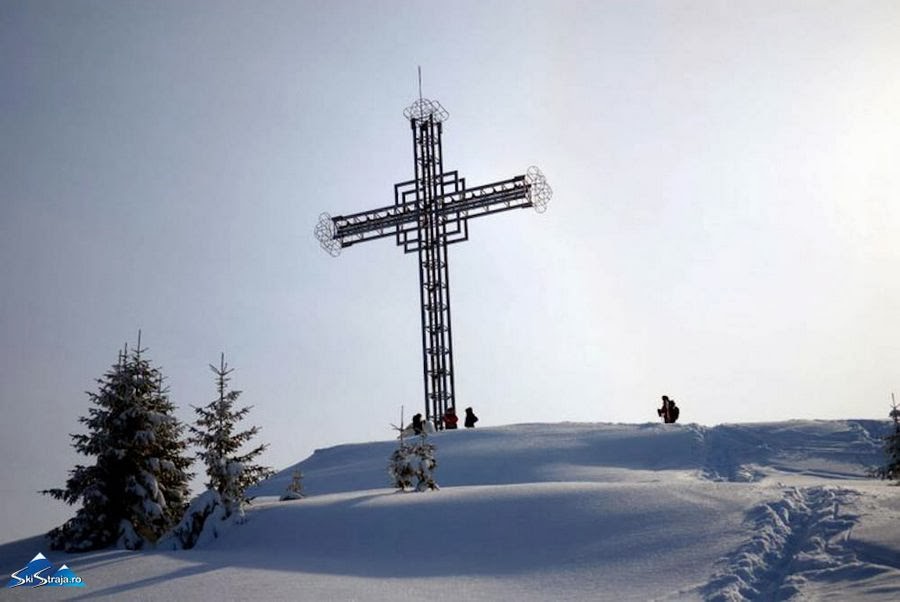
450 419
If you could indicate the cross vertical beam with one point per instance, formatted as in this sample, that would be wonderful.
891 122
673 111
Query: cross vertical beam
434 275
429 213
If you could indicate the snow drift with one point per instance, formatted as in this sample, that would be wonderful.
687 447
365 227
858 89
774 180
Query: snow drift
550 511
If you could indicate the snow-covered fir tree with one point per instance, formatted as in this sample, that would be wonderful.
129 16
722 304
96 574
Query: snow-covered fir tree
412 465
216 433
204 521
294 489
891 468
137 487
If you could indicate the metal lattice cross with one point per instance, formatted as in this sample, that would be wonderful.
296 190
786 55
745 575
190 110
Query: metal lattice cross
430 212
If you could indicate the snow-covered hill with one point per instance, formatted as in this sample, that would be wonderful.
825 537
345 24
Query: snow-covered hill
549 512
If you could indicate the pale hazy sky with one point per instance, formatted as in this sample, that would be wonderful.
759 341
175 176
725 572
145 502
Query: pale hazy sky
724 227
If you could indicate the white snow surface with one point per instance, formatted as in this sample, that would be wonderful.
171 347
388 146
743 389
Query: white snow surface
768 511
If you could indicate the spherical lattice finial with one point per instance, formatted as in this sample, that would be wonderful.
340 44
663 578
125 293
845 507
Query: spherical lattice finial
423 108
324 232
540 191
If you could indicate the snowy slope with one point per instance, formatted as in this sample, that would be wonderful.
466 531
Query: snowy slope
549 511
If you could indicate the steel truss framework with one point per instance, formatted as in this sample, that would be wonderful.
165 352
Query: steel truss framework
429 213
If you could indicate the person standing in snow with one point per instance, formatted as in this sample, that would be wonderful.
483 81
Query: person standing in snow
471 418
663 412
669 411
450 419
417 426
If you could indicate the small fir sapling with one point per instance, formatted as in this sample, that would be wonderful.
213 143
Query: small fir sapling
891 468
411 465
294 490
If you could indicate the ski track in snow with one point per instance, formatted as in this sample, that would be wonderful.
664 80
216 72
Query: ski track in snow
799 539
804 536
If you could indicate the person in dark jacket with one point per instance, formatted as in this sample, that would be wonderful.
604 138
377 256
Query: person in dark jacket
471 418
418 427
450 419
669 411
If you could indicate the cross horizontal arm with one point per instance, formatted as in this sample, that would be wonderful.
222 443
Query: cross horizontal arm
520 192
349 227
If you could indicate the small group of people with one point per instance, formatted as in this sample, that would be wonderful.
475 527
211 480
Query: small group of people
449 421
669 411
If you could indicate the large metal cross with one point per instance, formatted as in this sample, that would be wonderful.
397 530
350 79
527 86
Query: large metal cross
429 213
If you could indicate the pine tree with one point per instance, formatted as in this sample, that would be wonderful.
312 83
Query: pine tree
137 488
230 472
203 521
891 468
294 490
412 462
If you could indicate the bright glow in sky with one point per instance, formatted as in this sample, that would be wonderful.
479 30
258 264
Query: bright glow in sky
724 227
